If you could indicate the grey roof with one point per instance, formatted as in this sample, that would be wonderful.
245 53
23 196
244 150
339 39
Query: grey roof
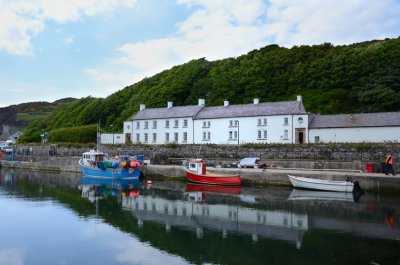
250 110
167 113
380 119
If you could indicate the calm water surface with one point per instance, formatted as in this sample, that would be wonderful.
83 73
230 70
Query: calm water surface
49 218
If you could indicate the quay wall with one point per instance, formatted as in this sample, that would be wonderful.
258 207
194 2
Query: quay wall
250 177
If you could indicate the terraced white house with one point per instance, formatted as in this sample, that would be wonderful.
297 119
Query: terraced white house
272 122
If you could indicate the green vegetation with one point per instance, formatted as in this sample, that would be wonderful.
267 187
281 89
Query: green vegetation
20 116
363 77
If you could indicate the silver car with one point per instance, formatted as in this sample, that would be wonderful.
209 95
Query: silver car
251 162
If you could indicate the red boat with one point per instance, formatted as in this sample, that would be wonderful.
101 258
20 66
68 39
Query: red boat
191 187
197 172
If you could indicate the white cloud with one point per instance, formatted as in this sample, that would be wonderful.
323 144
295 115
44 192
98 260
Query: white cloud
12 256
20 20
340 22
69 40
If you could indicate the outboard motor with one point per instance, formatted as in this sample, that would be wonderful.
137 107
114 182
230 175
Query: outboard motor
357 191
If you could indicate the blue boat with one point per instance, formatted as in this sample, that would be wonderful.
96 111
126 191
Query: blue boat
124 169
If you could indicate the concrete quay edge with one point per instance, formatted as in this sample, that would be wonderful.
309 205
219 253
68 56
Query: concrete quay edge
250 176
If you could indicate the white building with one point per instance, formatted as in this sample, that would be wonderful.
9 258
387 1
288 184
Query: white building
273 122
162 125
354 128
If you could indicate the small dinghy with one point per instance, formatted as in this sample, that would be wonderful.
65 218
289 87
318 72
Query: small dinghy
319 184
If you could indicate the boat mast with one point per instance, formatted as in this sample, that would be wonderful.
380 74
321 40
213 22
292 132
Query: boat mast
98 137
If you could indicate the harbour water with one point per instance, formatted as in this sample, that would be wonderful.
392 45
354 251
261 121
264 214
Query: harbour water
49 218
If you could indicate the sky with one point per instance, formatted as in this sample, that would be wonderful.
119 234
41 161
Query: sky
52 49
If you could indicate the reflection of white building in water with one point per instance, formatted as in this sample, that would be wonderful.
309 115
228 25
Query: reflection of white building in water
282 225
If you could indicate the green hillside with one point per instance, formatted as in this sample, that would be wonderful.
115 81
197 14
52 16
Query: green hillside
20 116
363 77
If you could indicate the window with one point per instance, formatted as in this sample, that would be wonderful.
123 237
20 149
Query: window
286 135
154 137
185 137
230 123
185 123
236 123
154 124
166 123
128 127
167 137
230 135
259 134
138 125
204 135
176 124
208 124
265 134
146 137
236 135
137 137
265 121
316 139
259 122
286 121
208 135
176 137
146 124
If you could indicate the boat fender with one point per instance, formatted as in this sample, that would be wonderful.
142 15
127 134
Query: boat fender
134 164
114 164
124 163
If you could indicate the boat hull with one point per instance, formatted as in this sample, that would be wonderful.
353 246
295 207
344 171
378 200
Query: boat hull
113 182
109 176
229 180
317 184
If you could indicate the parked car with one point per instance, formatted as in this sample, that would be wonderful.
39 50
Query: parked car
7 149
250 162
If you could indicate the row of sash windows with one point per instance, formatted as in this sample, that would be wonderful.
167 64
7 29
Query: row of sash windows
167 124
175 136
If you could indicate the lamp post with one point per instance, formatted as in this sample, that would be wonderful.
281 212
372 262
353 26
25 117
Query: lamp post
112 125
238 129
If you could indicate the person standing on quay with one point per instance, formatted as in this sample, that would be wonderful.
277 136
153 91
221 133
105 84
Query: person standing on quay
389 164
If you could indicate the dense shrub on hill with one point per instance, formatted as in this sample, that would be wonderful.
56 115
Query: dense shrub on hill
363 77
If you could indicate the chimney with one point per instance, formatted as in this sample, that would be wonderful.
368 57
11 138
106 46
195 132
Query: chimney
170 104
226 103
202 102
256 101
299 98
142 107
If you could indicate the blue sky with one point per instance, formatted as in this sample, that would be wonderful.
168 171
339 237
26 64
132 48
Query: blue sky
52 49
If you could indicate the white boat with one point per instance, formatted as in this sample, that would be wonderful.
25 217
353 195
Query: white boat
319 184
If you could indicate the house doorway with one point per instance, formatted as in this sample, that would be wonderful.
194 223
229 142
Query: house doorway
127 137
300 136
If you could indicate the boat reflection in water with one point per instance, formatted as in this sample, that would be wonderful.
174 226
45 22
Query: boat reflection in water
94 189
300 195
196 213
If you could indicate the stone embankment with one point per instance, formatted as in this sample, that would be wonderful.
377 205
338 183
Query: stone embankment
262 177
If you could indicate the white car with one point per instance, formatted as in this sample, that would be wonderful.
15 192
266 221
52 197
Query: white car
251 162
